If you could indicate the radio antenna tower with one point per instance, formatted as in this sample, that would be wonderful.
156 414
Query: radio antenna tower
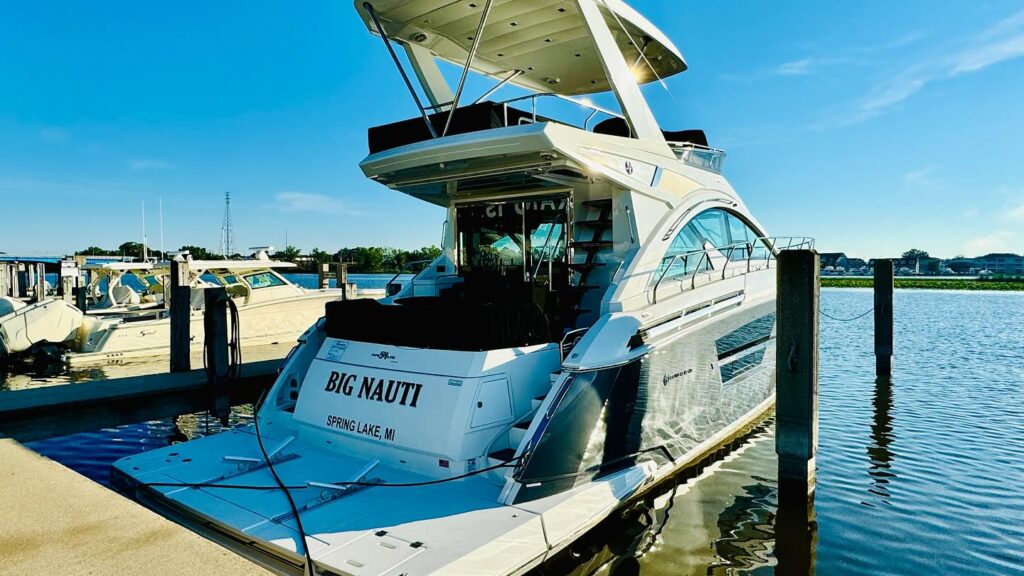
227 233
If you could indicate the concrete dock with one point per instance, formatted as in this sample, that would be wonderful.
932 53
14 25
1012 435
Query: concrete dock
55 521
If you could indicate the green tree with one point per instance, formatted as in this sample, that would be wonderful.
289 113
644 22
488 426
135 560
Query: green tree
289 254
915 253
319 256
199 253
133 249
94 251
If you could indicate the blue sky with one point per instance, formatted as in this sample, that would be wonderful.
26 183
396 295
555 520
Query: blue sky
873 126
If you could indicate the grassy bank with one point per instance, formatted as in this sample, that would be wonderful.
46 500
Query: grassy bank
925 284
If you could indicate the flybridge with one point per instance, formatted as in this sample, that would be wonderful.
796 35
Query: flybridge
557 47
540 45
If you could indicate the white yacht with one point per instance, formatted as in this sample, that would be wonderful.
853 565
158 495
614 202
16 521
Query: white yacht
271 309
128 322
601 318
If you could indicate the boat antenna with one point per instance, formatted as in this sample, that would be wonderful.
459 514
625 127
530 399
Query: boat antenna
145 240
163 254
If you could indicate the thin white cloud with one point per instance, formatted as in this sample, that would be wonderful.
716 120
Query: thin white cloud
922 177
795 68
143 164
306 202
1014 213
54 135
999 43
996 241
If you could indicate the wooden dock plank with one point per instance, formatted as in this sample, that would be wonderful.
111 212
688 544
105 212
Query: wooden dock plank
58 522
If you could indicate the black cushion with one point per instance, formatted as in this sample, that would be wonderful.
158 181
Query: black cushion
436 323
619 127
473 118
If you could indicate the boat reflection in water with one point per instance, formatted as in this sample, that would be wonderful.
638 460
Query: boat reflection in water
725 501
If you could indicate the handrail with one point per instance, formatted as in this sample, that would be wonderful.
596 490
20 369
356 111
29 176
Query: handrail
594 110
771 243
545 252
561 345
402 270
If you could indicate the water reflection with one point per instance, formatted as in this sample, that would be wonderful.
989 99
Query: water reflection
722 501
879 452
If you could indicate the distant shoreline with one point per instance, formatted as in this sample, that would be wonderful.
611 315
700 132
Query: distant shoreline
926 284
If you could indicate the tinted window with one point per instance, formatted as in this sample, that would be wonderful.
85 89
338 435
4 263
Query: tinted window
717 227
263 280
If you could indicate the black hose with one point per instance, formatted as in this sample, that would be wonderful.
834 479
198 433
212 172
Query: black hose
291 502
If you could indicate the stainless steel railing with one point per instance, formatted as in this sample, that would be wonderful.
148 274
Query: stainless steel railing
698 156
769 246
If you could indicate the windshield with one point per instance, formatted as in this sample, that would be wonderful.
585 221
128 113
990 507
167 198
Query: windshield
513 237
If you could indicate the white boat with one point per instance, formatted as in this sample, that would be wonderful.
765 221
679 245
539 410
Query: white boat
271 309
602 317
111 292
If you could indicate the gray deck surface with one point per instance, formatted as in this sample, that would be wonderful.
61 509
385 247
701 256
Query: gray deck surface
55 521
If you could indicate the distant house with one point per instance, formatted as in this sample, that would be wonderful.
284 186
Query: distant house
856 264
1002 263
963 265
834 260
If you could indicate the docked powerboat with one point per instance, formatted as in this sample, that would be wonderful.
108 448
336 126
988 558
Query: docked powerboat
122 287
128 320
602 317
271 310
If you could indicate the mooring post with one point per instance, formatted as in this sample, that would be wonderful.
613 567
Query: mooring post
181 317
323 276
796 421
81 298
40 284
341 273
16 281
215 347
884 285
67 286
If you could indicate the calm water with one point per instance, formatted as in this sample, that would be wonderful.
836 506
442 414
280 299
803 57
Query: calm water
923 476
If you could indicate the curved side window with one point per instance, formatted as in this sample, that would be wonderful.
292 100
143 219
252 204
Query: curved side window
716 228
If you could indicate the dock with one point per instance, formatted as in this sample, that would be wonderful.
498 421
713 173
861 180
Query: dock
40 413
85 528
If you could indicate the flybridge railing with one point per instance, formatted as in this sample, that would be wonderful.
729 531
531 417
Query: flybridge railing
703 157
705 260
595 111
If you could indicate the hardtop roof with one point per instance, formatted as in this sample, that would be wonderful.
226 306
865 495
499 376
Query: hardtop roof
546 40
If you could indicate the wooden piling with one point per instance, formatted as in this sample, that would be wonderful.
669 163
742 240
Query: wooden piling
39 292
883 317
215 348
181 317
796 421
67 287
81 298
15 281
341 273
323 276
796 439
